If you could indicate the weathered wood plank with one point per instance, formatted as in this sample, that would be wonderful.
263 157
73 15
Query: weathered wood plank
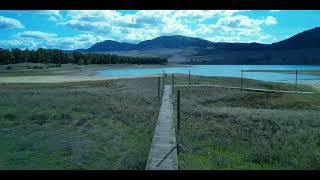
163 152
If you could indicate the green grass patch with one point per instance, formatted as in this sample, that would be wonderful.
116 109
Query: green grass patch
85 125
227 129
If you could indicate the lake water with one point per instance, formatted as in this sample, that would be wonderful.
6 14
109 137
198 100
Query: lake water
218 70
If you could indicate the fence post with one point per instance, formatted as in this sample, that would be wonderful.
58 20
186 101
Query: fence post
159 90
172 82
178 122
296 80
189 76
241 80
163 79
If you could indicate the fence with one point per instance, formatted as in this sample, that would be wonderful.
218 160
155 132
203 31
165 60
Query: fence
243 83
294 72
195 81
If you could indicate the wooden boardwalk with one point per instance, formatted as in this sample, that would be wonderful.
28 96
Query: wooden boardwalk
163 151
248 89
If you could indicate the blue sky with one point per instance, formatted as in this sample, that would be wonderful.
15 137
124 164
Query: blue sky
81 29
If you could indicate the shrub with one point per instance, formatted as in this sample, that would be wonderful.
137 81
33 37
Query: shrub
10 116
37 67
39 118
54 66
65 116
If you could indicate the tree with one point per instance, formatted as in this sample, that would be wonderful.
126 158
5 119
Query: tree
56 56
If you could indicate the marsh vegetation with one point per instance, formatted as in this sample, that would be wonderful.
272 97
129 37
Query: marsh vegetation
85 125
227 129
109 124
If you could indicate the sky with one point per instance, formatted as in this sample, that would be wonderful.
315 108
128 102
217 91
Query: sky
74 29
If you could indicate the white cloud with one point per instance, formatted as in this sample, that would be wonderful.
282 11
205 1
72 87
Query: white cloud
9 23
126 27
231 26
141 25
238 28
53 18
37 39
53 15
224 38
95 25
245 21
270 20
18 43
36 35
201 15
76 42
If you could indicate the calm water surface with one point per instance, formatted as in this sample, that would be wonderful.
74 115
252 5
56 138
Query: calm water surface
218 70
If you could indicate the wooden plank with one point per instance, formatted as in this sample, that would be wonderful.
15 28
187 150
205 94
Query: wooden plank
163 151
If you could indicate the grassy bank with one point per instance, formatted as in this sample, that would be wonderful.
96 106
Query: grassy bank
227 129
180 79
85 125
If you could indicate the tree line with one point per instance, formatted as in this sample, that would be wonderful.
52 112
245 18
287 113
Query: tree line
55 56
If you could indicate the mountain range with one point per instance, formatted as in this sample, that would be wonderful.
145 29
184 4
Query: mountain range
303 48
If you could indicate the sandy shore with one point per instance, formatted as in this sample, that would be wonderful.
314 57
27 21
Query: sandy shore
314 83
82 77
66 73
59 79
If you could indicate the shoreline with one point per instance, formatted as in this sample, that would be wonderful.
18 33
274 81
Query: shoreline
90 75
62 79
69 73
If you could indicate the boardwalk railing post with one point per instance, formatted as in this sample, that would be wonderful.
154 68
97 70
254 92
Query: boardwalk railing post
158 90
241 86
172 82
163 80
189 76
178 122
296 80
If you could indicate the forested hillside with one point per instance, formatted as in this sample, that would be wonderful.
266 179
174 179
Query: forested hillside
55 56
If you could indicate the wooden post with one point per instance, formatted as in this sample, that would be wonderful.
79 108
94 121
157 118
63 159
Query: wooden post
163 79
241 80
296 80
178 122
158 90
189 76
172 82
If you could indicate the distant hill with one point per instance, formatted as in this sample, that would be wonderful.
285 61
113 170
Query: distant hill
302 48
109 45
175 42
303 40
